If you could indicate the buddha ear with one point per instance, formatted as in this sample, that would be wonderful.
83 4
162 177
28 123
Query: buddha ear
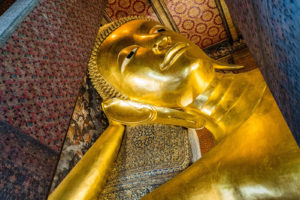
226 67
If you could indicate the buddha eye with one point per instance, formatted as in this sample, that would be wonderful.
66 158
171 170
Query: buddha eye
128 58
131 53
160 30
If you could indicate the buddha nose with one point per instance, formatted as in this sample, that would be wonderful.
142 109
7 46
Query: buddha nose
162 45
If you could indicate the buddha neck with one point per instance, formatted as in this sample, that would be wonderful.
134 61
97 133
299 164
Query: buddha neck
229 100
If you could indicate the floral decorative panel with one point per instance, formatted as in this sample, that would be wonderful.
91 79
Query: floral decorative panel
116 9
198 20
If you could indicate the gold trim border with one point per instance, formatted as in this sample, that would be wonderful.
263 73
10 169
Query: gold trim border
162 13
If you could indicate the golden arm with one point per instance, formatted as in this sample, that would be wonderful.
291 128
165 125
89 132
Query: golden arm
88 177
86 180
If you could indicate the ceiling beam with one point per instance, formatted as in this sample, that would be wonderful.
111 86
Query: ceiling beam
163 14
227 21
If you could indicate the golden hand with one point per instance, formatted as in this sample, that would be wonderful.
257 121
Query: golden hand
128 112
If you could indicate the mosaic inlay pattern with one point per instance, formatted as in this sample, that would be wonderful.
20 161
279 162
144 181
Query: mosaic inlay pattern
42 65
117 9
150 155
87 123
26 166
198 20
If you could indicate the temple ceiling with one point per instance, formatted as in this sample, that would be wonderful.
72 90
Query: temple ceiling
205 22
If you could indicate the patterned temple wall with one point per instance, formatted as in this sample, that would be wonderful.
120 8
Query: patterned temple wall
42 65
198 20
117 9
272 31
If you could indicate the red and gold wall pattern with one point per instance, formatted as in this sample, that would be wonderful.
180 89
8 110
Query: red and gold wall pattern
198 20
116 9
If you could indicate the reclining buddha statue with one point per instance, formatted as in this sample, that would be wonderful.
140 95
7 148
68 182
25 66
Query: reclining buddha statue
148 74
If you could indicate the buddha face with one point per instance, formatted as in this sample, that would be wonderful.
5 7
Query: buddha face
152 64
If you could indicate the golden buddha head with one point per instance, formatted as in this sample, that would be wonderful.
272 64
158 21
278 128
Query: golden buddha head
141 60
